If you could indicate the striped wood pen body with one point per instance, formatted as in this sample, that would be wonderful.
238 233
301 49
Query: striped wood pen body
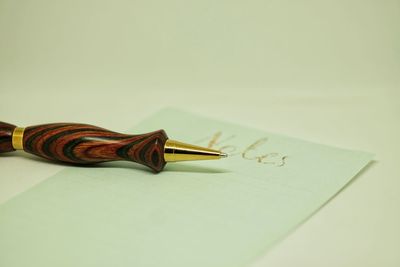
87 144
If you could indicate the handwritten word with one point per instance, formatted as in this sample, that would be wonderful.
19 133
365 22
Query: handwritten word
251 152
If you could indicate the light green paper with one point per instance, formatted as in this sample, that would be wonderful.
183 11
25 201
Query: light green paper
221 213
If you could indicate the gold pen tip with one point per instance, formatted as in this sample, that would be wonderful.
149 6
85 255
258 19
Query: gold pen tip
178 151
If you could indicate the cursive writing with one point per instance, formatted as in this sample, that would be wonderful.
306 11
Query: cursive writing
250 152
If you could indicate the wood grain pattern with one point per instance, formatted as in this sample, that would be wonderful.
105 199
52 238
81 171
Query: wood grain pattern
87 144
6 131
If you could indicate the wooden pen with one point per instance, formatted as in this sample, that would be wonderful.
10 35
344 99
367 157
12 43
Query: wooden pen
87 144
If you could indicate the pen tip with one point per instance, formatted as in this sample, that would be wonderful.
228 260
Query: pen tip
223 155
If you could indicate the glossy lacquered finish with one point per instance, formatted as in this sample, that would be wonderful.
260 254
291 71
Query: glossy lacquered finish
6 131
87 144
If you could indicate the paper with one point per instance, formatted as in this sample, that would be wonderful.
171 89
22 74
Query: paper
220 213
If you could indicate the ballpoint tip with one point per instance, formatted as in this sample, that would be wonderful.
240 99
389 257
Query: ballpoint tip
223 155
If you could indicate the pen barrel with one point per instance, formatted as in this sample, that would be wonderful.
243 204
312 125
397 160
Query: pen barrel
6 131
88 144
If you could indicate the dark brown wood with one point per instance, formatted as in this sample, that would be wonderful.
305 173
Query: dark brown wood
87 144
6 131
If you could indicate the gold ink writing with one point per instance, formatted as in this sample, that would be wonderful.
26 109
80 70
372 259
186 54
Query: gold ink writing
251 152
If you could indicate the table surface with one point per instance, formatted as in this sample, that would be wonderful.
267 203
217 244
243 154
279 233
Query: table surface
325 71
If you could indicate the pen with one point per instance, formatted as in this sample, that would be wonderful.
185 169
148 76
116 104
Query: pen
87 144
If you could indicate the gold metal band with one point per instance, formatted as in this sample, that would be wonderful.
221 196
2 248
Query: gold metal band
18 138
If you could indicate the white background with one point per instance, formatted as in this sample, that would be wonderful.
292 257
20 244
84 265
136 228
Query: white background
325 71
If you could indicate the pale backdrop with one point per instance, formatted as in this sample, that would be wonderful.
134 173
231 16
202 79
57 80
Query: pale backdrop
326 71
